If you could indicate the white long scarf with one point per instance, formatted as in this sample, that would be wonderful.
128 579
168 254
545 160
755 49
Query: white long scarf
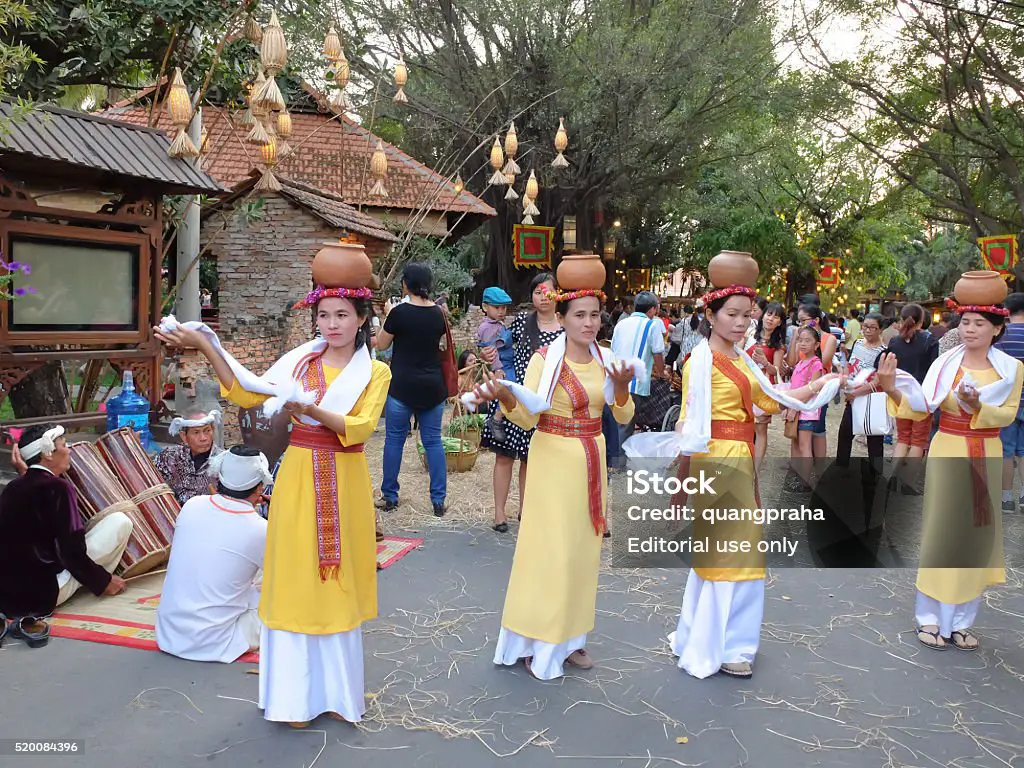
693 435
938 382
283 381
540 400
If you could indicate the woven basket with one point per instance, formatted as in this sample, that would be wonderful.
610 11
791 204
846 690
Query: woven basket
463 461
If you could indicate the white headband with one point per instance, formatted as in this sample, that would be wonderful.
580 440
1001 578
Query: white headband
45 445
240 473
178 423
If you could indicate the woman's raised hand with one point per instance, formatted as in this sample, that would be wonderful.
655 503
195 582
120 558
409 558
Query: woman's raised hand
180 337
621 374
491 388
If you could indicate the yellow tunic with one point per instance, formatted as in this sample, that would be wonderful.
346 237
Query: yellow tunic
948 503
734 487
293 597
552 592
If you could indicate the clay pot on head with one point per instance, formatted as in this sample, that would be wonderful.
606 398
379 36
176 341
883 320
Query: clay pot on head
981 286
580 270
733 268
342 265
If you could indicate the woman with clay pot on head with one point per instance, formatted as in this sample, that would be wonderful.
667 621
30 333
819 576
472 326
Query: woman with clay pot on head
530 331
552 592
320 570
976 389
415 328
720 622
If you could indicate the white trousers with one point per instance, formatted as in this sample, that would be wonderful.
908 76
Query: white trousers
949 617
104 543
548 658
251 626
304 676
720 623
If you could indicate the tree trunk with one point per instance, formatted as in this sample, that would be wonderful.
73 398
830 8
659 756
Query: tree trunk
44 392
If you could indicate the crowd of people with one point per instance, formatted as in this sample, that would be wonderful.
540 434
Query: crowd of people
577 386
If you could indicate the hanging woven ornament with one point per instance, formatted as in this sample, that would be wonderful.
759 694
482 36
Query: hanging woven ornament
511 147
245 117
273 56
497 160
532 209
337 101
179 109
401 78
253 31
342 72
332 44
284 132
511 194
561 142
459 186
379 170
532 187
268 181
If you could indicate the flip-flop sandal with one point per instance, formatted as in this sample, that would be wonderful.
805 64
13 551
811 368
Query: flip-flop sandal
500 527
938 645
965 635
580 658
380 536
34 632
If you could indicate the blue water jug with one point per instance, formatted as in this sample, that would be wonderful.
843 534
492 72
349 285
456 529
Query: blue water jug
130 409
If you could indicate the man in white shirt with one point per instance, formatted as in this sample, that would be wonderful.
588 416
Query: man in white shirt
641 335
207 611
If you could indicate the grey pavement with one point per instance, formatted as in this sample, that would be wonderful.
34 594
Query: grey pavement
840 680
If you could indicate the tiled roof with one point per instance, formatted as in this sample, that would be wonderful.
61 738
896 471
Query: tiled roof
331 154
331 209
111 146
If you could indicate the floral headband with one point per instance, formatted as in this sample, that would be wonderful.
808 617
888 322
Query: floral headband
729 290
990 309
320 292
559 296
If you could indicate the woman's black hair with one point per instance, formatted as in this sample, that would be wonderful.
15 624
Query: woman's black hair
540 278
418 279
364 309
813 310
911 316
704 329
464 356
817 336
778 338
876 316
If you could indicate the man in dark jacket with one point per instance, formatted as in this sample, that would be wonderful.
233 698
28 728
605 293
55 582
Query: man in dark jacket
45 552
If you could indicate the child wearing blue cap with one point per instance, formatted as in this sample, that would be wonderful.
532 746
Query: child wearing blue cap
493 333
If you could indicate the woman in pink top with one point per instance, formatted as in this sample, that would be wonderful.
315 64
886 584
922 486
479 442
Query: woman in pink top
810 367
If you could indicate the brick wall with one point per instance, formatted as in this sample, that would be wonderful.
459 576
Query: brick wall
262 270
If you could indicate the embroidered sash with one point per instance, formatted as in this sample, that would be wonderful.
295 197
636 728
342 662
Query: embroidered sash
960 425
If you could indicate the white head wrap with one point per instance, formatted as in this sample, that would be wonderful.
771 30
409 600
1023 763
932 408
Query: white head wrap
178 423
45 445
240 473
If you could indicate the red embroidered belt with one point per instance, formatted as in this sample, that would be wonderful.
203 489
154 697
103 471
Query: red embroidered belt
320 439
565 427
741 431
960 426
586 430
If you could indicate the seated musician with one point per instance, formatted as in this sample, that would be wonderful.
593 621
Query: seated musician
207 611
186 467
45 552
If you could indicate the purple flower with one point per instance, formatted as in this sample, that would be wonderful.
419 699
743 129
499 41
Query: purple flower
28 289
26 269
13 265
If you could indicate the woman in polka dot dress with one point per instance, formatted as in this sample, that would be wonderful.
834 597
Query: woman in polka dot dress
530 332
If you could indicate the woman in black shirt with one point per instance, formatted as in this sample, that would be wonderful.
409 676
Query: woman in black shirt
415 327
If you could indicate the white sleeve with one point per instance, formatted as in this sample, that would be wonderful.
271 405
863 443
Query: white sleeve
657 338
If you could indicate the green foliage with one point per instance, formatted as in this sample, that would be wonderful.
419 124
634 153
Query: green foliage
447 263
466 423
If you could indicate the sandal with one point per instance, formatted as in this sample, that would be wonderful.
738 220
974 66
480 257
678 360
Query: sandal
963 644
34 632
743 669
528 663
500 527
939 643
298 726
580 659
380 536
339 718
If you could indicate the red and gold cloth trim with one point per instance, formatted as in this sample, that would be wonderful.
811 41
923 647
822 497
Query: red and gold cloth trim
566 427
960 426
580 401
325 485
999 253
569 296
729 290
992 309
320 438
318 293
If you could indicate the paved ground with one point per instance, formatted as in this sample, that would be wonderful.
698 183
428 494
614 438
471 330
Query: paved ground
840 680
